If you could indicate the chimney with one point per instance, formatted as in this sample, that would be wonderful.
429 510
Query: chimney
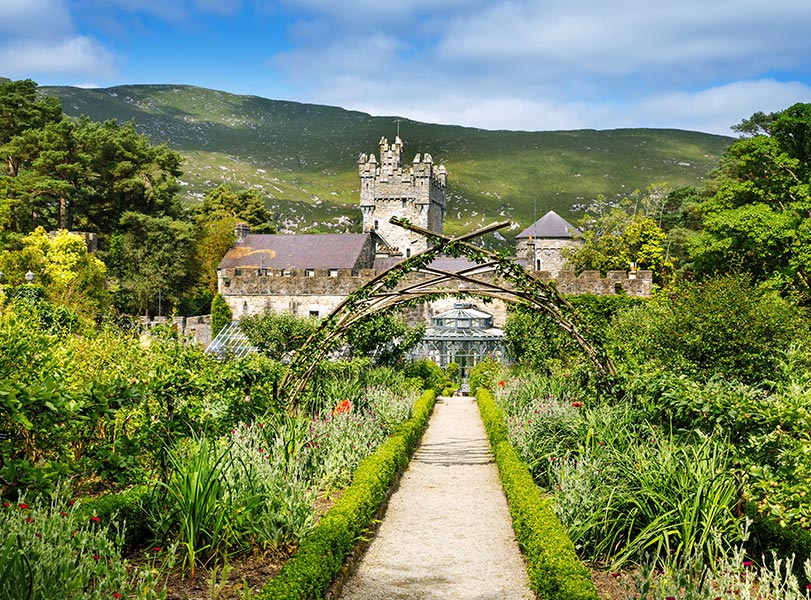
241 231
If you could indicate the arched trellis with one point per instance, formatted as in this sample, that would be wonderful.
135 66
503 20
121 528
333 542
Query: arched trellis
385 292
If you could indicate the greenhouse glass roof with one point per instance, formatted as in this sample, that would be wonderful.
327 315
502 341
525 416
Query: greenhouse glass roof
231 342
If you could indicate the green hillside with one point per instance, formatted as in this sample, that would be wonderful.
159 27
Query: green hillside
303 156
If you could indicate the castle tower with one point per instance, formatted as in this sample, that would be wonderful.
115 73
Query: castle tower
388 189
541 244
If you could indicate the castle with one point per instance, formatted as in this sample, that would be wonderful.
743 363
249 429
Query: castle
388 190
311 274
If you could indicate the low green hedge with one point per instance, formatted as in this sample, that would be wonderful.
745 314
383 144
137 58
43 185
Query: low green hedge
126 506
320 557
555 572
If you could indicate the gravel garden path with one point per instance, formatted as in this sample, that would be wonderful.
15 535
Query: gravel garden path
446 534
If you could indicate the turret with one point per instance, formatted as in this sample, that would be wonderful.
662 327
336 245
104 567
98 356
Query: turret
415 192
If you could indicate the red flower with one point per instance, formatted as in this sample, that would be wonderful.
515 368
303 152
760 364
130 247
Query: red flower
501 383
95 519
747 563
72 502
39 535
96 557
116 595
344 406
157 548
63 514
29 520
577 404
23 506
6 504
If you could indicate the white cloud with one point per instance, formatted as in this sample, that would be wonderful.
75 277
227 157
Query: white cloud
34 18
711 110
70 56
358 14
541 64
41 39
171 10
174 10
652 41
716 109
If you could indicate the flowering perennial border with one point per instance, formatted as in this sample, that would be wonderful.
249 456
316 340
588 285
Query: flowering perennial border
321 555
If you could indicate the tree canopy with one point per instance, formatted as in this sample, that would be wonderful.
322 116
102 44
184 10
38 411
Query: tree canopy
107 178
755 216
619 236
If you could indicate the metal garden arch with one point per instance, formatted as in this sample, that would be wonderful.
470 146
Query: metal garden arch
493 276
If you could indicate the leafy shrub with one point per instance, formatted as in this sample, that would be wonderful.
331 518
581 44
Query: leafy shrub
220 315
277 334
485 374
385 338
717 327
535 340
431 374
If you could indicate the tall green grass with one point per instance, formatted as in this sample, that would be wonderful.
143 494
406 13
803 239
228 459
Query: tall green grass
625 488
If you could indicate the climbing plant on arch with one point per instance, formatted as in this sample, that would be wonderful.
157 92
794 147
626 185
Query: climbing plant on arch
493 275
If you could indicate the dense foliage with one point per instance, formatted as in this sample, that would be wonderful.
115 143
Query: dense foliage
754 217
220 469
109 180
622 236
721 326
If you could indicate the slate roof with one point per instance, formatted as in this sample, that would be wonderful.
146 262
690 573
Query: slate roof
305 251
443 263
550 226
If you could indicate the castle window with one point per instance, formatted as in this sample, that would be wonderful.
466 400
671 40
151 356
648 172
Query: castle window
314 313
237 272
404 202
287 273
262 272
309 272
408 252
376 224
333 272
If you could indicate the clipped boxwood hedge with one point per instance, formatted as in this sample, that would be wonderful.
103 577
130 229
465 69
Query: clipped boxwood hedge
320 557
555 572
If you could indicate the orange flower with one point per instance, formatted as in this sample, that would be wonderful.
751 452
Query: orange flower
344 406
501 383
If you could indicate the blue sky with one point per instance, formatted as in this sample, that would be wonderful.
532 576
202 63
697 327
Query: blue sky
520 64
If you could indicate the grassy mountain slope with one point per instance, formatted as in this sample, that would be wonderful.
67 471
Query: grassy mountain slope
303 156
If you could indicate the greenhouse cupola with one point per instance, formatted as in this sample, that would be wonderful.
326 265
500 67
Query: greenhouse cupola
463 335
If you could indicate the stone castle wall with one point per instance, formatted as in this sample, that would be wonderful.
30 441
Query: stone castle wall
317 292
194 329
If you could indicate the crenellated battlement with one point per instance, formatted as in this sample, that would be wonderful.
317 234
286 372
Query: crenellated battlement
317 292
415 192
